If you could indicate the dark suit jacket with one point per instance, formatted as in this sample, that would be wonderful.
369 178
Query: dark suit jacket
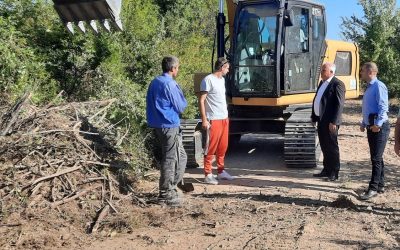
332 102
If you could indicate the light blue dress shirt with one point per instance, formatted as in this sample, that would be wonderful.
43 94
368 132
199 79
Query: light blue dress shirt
375 101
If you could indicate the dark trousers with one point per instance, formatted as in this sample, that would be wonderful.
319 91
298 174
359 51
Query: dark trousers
173 161
330 149
377 144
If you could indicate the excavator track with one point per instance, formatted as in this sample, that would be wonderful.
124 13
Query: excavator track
192 142
301 148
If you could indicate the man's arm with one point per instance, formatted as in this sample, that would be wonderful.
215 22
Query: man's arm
202 107
177 98
397 137
339 96
383 104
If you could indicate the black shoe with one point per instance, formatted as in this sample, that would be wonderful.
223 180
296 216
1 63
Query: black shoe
381 190
322 174
368 195
333 178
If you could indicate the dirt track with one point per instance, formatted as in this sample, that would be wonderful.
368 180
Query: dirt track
272 207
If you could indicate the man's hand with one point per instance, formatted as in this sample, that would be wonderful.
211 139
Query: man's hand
397 148
375 129
362 129
332 128
205 125
314 124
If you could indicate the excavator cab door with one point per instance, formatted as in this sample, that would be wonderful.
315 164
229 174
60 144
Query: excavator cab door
89 13
303 49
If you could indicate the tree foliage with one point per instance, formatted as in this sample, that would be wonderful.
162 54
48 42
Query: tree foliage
377 34
39 55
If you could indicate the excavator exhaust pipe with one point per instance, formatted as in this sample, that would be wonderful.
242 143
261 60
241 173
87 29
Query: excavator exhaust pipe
82 13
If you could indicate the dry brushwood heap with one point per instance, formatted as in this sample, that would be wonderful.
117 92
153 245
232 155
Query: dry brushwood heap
62 155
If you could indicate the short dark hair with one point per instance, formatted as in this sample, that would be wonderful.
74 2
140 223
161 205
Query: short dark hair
371 66
220 62
168 63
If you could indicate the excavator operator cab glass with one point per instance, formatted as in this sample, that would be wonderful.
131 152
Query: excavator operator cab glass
288 18
303 49
254 48
299 34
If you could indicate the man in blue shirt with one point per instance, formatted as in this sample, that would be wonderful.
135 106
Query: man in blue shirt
164 103
375 107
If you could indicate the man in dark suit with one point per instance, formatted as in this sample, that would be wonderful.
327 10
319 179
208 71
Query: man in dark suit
327 113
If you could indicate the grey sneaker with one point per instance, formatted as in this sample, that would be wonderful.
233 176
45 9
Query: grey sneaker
210 179
225 176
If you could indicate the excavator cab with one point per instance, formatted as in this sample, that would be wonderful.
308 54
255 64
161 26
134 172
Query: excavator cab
277 48
89 13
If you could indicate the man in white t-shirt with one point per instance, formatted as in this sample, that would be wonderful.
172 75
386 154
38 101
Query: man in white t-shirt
397 136
214 116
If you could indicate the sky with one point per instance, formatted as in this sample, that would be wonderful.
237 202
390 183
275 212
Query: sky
335 9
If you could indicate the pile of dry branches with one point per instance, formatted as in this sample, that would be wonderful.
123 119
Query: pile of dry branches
54 155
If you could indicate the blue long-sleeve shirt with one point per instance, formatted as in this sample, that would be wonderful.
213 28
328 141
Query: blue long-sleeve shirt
375 101
165 101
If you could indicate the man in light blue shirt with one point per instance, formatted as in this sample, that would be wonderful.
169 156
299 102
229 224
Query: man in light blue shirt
375 119
164 103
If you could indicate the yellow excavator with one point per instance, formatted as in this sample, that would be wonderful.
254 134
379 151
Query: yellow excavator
276 51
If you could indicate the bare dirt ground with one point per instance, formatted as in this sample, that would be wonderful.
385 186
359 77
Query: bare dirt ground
268 206
272 207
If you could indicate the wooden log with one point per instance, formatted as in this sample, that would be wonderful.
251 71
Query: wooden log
66 171
12 115
103 214
77 195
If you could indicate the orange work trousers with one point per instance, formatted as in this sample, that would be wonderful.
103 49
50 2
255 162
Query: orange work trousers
217 144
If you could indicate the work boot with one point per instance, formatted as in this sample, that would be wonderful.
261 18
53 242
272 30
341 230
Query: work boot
173 200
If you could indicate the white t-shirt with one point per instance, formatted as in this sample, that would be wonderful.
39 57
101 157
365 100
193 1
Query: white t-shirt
215 103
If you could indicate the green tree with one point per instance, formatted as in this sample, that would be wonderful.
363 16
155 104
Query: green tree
21 68
38 54
377 34
189 31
